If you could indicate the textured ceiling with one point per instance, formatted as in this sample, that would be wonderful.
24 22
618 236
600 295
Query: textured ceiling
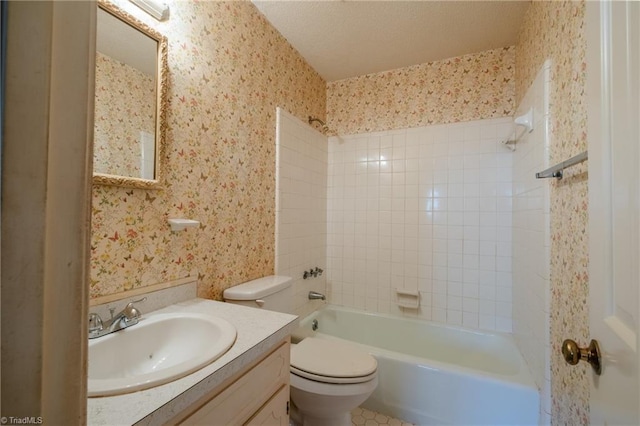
342 39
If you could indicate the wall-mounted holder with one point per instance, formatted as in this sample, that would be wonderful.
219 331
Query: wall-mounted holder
180 224
408 298
525 120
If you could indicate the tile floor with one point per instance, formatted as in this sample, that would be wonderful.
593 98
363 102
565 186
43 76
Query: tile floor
364 417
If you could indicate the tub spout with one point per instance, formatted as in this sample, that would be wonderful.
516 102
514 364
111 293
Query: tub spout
313 295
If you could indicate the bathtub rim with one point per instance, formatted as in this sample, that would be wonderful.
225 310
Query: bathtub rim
523 378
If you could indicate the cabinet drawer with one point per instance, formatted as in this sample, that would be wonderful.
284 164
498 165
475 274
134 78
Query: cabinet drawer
275 412
244 397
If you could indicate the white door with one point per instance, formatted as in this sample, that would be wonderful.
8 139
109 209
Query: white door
613 51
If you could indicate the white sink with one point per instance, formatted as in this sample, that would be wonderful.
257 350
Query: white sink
159 349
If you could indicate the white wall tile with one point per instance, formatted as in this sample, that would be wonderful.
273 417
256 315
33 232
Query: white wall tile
301 210
432 214
530 234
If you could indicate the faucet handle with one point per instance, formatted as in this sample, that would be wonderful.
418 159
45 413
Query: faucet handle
133 314
130 306
137 301
95 323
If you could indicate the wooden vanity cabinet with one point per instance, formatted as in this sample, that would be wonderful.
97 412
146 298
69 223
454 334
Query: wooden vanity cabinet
258 395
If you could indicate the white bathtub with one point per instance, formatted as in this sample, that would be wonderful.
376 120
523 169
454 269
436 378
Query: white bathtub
433 374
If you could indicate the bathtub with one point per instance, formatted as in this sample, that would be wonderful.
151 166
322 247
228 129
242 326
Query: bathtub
433 374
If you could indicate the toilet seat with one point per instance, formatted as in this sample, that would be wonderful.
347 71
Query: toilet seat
332 380
330 361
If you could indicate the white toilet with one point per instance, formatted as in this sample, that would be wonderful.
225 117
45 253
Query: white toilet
328 378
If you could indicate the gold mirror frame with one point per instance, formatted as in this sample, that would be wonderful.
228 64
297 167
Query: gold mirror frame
162 83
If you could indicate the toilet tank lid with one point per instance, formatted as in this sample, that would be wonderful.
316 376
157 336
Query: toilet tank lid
258 288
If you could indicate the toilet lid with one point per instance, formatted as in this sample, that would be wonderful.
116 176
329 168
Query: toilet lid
331 361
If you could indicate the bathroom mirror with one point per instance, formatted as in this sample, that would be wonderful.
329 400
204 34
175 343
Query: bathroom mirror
130 100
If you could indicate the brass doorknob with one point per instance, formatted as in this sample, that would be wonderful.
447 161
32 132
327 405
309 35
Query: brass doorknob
573 354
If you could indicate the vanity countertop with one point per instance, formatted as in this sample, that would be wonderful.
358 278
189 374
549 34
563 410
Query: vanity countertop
257 331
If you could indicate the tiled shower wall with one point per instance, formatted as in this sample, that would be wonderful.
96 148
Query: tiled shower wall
301 207
531 241
425 209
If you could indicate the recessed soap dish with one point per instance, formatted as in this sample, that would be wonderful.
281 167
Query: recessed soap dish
180 224
408 298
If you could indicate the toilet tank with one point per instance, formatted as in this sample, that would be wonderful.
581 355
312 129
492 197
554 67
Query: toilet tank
273 293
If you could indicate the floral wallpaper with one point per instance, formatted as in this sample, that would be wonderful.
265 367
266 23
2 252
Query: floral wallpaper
124 106
464 88
228 71
556 30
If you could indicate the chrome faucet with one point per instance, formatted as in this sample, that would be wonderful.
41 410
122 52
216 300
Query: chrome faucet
312 273
314 295
127 317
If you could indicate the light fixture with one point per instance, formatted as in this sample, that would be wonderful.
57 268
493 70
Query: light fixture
157 9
